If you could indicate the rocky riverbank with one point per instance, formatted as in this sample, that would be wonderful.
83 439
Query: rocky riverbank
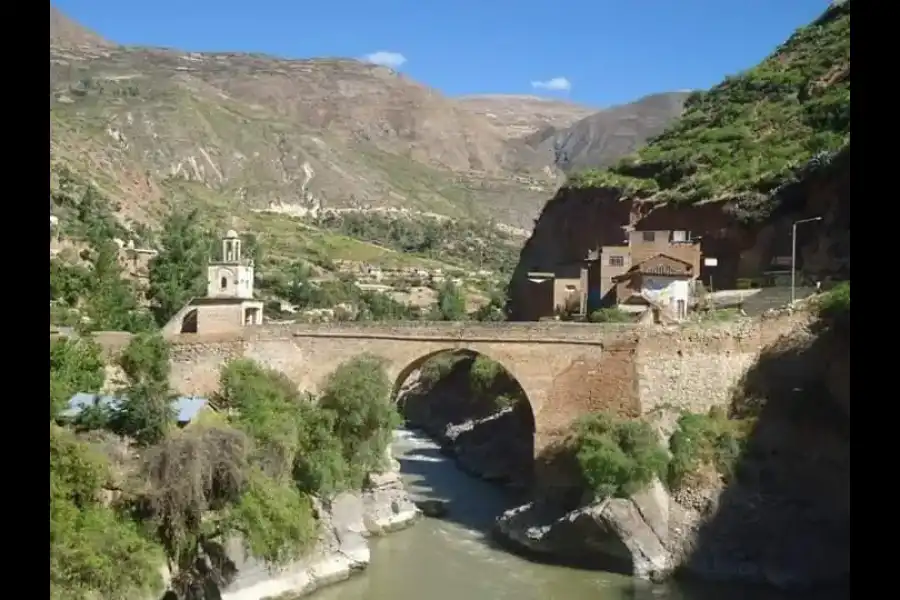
343 549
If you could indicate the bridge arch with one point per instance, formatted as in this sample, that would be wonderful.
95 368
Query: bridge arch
402 375
491 430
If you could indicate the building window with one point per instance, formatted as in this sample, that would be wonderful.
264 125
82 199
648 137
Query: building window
679 236
616 261
223 283
649 236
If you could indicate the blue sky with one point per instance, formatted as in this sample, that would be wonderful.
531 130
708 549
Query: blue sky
609 52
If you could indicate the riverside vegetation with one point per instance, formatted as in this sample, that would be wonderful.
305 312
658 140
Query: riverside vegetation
131 492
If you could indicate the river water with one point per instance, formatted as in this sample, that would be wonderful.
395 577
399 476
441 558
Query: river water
453 558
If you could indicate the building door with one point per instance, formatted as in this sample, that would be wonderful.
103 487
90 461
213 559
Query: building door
681 309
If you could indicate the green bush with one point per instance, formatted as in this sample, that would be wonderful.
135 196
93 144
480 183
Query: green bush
438 367
358 392
75 366
93 551
617 457
610 315
483 373
710 440
834 306
277 520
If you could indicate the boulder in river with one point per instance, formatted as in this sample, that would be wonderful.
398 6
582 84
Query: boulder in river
432 508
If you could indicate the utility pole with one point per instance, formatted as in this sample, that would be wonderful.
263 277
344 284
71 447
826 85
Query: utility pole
794 255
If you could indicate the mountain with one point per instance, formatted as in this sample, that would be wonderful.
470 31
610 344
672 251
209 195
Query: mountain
520 116
600 139
65 32
234 132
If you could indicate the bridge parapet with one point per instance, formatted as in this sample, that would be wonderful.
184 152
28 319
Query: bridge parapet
523 332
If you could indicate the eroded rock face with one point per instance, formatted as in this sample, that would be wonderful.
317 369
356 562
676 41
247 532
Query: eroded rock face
622 534
347 520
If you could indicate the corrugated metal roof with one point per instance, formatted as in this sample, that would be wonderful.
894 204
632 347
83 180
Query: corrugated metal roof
186 407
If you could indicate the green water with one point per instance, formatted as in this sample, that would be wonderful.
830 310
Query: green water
454 559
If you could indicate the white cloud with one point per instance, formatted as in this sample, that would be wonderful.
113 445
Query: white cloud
557 84
385 58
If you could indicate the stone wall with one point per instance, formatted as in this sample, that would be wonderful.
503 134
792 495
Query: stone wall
697 367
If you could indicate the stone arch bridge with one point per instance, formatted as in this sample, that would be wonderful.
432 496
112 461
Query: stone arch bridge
565 369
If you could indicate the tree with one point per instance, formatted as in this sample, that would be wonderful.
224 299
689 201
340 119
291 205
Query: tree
451 303
111 303
75 366
94 553
178 272
358 393
494 309
145 411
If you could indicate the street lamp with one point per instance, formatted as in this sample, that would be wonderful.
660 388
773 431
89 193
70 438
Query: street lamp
794 255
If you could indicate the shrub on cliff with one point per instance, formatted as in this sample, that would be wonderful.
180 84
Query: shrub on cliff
94 552
834 307
358 393
617 457
705 441
438 367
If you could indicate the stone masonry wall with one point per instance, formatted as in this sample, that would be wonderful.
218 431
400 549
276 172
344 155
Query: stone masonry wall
698 366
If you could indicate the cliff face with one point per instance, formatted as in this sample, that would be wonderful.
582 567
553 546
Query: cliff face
578 220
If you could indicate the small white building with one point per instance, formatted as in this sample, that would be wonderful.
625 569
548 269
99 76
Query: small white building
661 282
229 302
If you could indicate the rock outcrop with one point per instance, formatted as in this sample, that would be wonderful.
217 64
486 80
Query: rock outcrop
347 521
619 534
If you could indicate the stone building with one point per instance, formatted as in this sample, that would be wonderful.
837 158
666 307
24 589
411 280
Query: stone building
608 275
229 302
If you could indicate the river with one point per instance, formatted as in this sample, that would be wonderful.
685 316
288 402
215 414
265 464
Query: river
453 558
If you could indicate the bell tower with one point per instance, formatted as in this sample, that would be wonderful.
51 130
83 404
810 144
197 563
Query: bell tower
232 275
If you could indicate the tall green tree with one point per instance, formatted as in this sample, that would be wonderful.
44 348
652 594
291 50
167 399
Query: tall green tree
112 302
178 272
451 303
145 412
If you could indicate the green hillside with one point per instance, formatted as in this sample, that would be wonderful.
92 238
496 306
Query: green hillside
753 132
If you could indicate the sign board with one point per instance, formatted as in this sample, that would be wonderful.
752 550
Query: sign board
710 262
781 261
